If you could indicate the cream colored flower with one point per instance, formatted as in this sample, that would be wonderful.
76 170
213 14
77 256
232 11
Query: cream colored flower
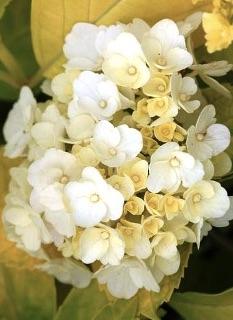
27 224
50 129
165 244
207 138
68 271
116 145
152 225
124 62
183 233
162 107
124 280
85 44
101 243
135 206
62 85
214 69
161 267
137 171
165 47
205 199
92 199
137 242
190 24
96 94
18 124
85 155
181 90
164 129
152 203
170 167
158 85
171 206
80 128
137 27
140 115
48 176
123 184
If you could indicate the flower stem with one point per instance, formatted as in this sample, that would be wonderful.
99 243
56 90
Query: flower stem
7 78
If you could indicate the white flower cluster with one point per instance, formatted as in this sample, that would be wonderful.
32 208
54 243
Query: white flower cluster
111 178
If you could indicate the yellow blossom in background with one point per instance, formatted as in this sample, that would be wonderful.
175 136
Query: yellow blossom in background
158 85
152 202
122 184
152 225
171 205
219 32
137 170
140 115
135 206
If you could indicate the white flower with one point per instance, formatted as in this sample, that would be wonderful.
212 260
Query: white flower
85 44
205 199
62 85
170 167
50 129
18 124
181 90
137 242
161 267
213 69
116 145
124 62
80 127
28 225
48 177
190 24
68 271
92 199
80 49
137 27
124 280
165 48
165 244
102 243
96 95
207 139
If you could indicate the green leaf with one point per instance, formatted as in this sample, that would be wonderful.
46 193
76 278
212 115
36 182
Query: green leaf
83 304
16 35
199 306
120 310
26 295
3 5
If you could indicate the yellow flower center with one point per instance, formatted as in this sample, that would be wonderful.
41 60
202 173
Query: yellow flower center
132 70
161 88
64 179
200 136
112 151
161 61
94 197
103 104
160 103
184 97
105 235
135 178
196 198
174 162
